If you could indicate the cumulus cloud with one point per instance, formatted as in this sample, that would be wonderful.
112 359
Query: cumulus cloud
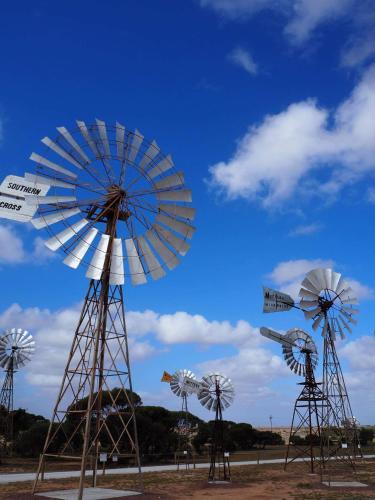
301 17
242 58
281 157
13 251
11 246
53 332
288 275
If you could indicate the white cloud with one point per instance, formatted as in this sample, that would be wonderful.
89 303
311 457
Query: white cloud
359 51
288 275
13 251
53 332
276 160
242 58
306 230
302 17
307 15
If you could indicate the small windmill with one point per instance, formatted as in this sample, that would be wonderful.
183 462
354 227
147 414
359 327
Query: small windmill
16 349
217 394
118 206
327 300
179 383
301 356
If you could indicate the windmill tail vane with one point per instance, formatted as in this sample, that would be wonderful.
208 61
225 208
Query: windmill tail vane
167 377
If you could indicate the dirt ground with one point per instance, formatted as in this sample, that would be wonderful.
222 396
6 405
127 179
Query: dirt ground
248 482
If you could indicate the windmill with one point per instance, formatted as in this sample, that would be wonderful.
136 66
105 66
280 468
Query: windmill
327 300
179 386
300 354
118 206
16 349
217 394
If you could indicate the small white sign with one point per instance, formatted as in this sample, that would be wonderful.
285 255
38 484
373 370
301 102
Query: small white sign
344 445
114 458
18 186
13 191
103 457
185 452
19 210
226 454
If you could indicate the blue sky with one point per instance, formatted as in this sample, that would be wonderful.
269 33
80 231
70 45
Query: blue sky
269 108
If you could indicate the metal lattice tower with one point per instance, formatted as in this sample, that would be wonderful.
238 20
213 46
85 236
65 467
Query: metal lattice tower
120 208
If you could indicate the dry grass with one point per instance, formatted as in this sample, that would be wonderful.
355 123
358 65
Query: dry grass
248 482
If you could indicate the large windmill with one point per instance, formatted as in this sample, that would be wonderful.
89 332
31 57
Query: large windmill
16 349
118 206
217 394
327 299
300 354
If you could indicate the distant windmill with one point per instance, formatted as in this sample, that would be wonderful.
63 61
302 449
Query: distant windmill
16 349
217 394
301 356
179 386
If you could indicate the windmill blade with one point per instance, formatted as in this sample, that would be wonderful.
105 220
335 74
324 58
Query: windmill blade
95 269
345 323
136 269
86 135
308 303
327 278
349 309
164 165
61 152
102 129
179 195
348 317
306 283
350 300
117 274
70 139
48 200
341 331
154 266
74 258
178 211
342 285
137 139
53 166
311 314
317 322
180 227
55 242
335 280
171 181
178 244
49 181
306 294
168 257
47 220
317 278
120 140
152 151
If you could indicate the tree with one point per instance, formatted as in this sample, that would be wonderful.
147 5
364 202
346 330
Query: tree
366 435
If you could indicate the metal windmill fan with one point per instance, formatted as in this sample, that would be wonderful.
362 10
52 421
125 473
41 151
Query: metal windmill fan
101 172
295 351
327 297
215 387
16 348
296 343
177 383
